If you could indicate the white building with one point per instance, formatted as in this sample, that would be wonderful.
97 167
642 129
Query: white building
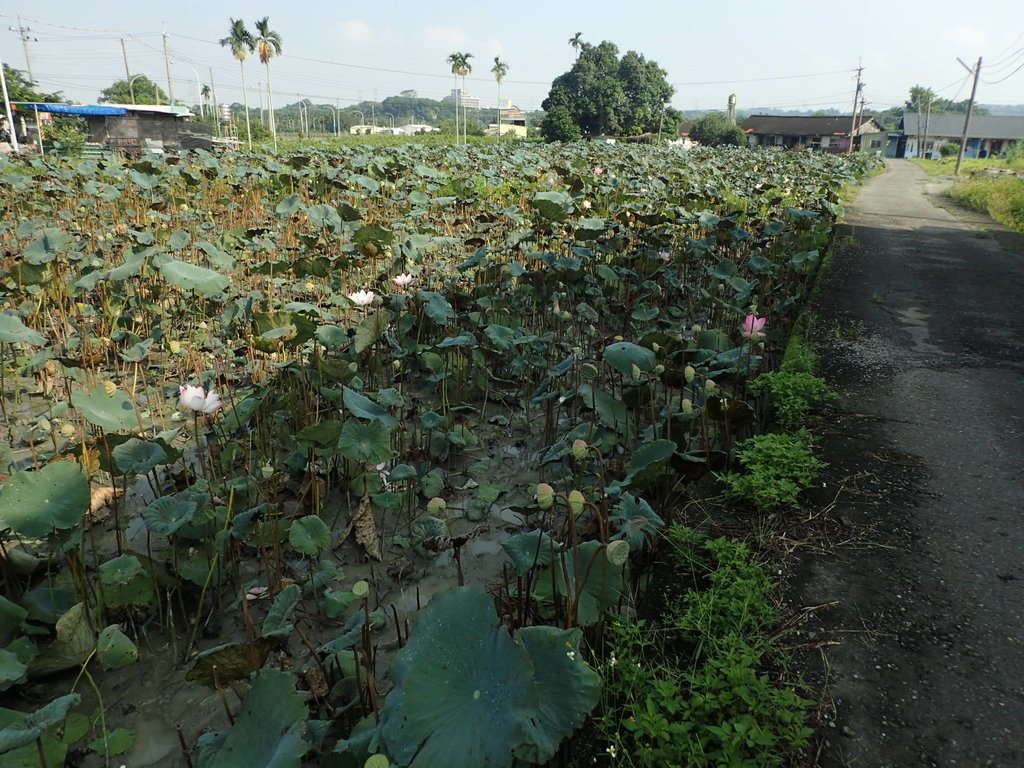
462 99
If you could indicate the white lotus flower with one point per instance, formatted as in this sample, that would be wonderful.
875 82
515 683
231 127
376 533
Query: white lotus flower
196 399
402 280
362 298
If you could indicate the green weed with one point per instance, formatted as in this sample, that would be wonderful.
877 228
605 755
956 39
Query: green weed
1001 197
777 468
792 395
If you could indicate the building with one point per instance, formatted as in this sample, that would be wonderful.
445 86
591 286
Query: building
513 120
129 127
824 134
922 135
462 99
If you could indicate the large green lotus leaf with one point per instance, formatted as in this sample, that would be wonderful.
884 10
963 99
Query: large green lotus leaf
72 647
47 244
596 583
637 521
11 616
126 583
34 504
112 412
648 462
309 535
363 407
277 623
322 435
25 729
168 514
568 689
54 750
370 329
623 355
13 331
190 277
268 731
610 410
368 442
530 550
553 206
436 307
463 691
136 457
115 649
12 669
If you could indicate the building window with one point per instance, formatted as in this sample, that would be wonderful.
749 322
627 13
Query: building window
876 143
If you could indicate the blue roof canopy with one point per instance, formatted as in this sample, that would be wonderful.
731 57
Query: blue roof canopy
70 109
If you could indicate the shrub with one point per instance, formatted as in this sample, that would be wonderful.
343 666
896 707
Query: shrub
950 149
778 467
792 395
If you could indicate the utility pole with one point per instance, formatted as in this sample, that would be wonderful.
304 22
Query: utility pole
927 117
124 55
259 92
7 109
213 97
970 109
167 66
23 31
856 96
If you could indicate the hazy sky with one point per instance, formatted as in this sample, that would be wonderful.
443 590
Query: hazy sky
782 54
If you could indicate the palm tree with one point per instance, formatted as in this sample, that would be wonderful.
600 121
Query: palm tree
241 43
268 45
576 41
499 70
464 70
457 61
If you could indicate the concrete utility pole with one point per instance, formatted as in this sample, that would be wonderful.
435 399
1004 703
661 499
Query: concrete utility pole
927 117
167 66
23 31
856 96
213 98
7 109
124 55
970 108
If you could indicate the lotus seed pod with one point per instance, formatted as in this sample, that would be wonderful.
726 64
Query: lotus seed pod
361 588
68 430
617 552
619 338
588 371
635 371
436 505
576 503
695 329
709 387
545 495
174 346
580 448
655 347
267 471
689 372
659 369
687 406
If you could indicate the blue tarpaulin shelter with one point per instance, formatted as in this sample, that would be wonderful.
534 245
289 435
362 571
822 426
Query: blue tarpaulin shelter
70 109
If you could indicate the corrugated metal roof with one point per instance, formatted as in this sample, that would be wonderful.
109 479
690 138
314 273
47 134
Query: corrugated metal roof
952 124
797 125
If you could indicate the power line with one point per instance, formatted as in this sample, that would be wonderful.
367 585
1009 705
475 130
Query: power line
764 79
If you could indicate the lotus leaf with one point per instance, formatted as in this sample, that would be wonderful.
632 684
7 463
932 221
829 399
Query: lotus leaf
363 407
623 355
637 522
46 246
309 535
114 649
136 457
117 742
366 442
649 461
54 498
277 623
596 584
371 329
12 670
269 730
28 727
107 407
13 331
72 646
168 514
126 583
191 277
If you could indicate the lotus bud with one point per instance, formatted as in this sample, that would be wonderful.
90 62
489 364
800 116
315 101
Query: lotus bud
635 371
659 369
689 372
545 495
437 506
617 552
687 406
695 329
709 387
655 347
396 364
174 346
580 448
576 503
309 286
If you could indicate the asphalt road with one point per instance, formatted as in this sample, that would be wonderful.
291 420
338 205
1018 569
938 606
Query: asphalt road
922 619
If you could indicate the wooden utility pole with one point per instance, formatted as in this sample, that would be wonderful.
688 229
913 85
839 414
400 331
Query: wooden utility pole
856 97
970 109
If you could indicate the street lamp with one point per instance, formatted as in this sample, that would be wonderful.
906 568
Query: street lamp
388 114
337 129
131 90
199 85
362 118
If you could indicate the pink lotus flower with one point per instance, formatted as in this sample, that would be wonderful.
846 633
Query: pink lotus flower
598 170
362 298
402 280
752 325
197 399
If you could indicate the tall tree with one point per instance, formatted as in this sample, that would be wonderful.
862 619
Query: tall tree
20 88
499 70
602 94
576 41
241 43
460 68
268 45
144 90
714 130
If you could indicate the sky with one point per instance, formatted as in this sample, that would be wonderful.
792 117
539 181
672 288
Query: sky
790 55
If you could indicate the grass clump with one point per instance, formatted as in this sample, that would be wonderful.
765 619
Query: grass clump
692 690
1001 197
792 395
778 467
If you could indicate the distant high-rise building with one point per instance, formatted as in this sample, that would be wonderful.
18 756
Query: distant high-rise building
462 99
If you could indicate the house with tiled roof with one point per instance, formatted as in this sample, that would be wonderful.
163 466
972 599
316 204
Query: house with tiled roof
924 134
825 134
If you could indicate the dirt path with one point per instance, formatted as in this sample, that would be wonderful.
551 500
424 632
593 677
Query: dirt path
922 330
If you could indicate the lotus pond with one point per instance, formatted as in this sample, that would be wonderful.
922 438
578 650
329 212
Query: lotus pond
345 457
